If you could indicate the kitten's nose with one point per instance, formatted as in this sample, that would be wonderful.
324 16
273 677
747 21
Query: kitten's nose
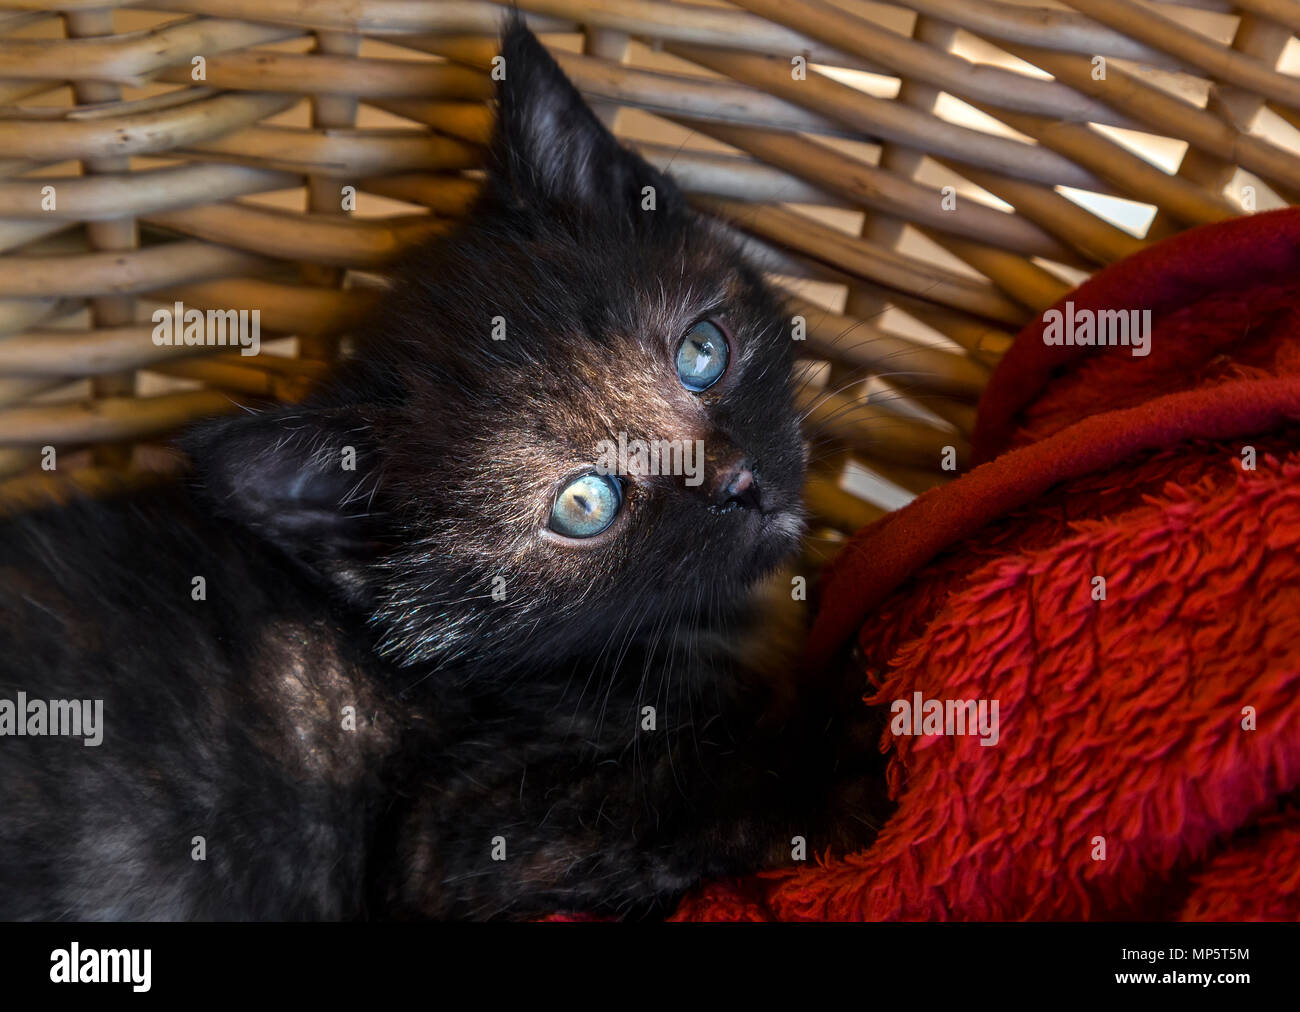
737 486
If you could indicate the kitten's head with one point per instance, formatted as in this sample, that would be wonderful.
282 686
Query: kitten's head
581 310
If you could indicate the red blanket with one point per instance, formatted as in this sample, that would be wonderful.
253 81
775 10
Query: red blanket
1122 576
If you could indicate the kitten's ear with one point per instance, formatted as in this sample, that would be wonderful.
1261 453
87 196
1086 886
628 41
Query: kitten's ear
550 147
302 479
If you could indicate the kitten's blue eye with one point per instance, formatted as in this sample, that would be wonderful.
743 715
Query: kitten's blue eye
586 506
702 357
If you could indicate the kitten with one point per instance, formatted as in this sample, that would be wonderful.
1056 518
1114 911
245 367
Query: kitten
439 664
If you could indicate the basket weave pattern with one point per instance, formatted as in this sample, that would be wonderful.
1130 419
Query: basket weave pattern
937 173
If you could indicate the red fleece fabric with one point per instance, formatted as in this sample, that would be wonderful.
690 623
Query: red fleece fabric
1148 758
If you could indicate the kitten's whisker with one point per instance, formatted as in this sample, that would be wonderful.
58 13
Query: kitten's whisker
826 396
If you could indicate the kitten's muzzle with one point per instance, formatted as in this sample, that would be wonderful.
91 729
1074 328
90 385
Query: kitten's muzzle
737 487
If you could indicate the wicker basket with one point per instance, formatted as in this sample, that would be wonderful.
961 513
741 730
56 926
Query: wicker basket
922 179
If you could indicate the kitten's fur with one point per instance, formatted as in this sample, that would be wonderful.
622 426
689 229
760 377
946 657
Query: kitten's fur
476 719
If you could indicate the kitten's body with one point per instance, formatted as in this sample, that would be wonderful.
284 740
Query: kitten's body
501 758
222 721
237 736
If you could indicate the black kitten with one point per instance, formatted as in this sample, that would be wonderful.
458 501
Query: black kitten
452 655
